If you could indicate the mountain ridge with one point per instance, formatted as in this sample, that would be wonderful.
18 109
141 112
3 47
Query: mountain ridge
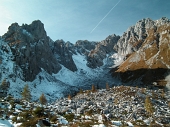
33 54
153 53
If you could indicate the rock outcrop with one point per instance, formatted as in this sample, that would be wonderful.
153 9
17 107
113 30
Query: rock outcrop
84 46
133 38
147 46
101 50
31 49
63 55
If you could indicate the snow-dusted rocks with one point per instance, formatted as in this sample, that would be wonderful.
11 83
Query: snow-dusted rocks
102 50
103 108
5 123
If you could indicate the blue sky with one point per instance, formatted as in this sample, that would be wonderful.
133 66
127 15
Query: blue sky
73 20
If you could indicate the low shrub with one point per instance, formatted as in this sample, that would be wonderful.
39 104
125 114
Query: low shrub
53 118
69 117
38 112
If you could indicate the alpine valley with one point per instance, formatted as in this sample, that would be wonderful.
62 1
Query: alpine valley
140 58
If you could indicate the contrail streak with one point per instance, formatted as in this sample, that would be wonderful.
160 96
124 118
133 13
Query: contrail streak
105 16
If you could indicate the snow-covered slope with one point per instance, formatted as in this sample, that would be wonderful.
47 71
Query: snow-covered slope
43 83
57 85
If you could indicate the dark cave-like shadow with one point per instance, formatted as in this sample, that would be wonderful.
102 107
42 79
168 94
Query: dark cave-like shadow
152 77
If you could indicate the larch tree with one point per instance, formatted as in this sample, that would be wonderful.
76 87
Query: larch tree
107 86
148 106
93 89
69 97
43 99
81 91
26 94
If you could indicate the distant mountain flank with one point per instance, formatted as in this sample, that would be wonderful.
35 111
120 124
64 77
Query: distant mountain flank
147 49
141 56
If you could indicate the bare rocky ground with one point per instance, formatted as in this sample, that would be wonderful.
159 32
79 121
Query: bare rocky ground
112 107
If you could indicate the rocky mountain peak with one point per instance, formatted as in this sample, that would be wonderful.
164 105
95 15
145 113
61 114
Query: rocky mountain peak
13 27
149 58
62 52
135 35
144 45
101 50
36 28
31 49
162 21
84 46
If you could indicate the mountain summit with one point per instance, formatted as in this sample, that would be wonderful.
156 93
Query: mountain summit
30 46
141 56
147 49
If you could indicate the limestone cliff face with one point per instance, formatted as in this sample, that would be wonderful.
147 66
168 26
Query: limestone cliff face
62 52
96 52
146 46
101 50
31 47
135 35
151 60
84 46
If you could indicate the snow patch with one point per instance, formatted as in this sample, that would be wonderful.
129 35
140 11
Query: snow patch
5 123
26 33
117 59
136 58
117 123
168 82
100 125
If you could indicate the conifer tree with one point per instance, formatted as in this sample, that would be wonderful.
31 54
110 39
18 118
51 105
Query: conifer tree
81 91
93 89
26 94
148 106
69 97
107 86
43 99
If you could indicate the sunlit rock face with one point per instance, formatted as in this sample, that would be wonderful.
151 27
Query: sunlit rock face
135 35
147 46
